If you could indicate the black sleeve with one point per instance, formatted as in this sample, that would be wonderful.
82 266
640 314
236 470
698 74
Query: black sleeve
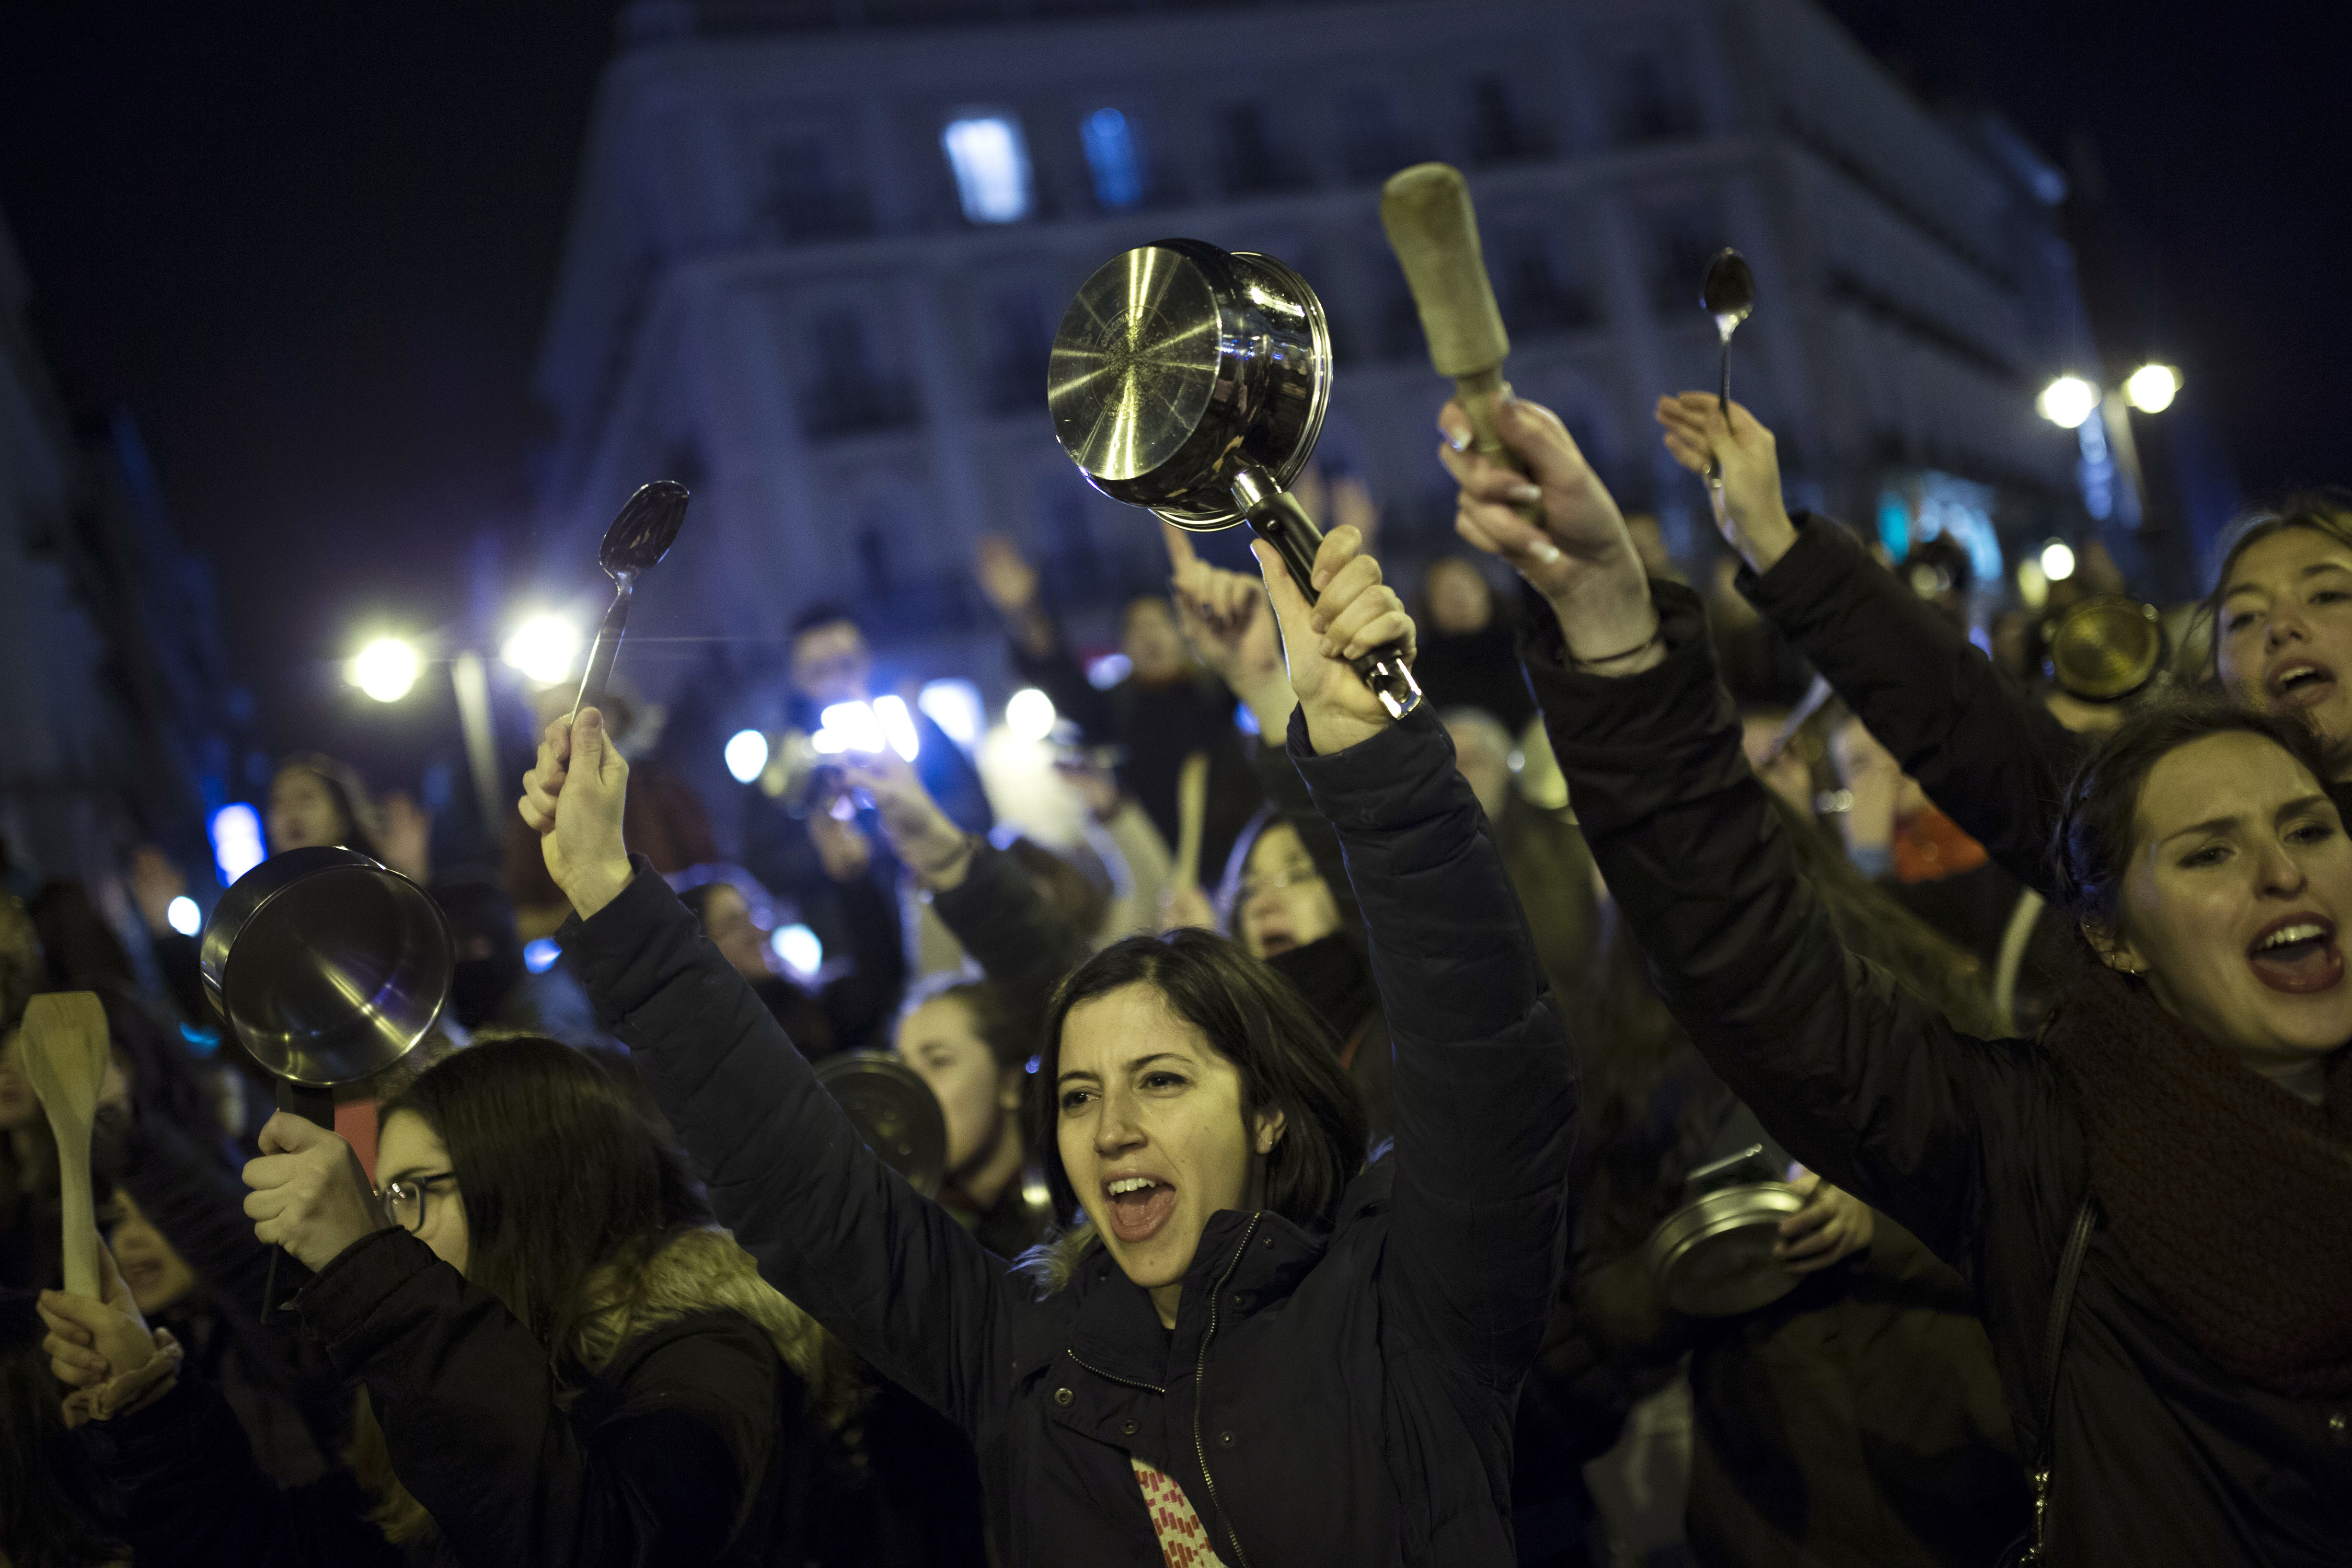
469 1405
1012 933
198 1205
1853 1075
858 1007
1285 792
181 961
890 1272
1982 748
1057 674
193 1496
1485 1096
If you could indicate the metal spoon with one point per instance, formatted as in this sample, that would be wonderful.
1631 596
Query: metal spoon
636 543
1728 293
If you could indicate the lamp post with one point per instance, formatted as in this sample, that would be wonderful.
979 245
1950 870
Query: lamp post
542 649
2108 450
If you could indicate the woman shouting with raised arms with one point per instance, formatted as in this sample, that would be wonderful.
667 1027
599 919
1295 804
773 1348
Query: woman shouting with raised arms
1249 1346
2154 1201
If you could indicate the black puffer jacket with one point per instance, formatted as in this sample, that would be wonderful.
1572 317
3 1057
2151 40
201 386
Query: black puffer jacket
1340 1396
2160 1456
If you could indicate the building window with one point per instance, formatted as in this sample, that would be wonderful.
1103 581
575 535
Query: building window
1682 244
850 390
1111 156
992 168
813 196
1498 133
1539 293
1246 153
1021 339
1651 102
1371 145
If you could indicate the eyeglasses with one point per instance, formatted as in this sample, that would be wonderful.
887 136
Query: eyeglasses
1252 887
403 1200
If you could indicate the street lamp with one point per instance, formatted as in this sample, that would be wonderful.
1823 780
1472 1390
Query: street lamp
2067 402
385 669
542 649
2152 387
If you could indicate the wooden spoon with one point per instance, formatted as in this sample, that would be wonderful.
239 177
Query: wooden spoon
65 1046
1192 814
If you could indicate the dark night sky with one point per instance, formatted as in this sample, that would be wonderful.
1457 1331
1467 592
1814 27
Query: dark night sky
311 247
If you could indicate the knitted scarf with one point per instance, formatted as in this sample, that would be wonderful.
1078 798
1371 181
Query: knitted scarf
2231 1195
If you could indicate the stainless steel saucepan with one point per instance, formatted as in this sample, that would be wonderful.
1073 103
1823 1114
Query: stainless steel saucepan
1193 381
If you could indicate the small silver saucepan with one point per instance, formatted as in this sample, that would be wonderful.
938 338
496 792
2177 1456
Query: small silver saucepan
328 968
1193 381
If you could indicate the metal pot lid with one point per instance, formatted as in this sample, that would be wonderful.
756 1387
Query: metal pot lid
894 1111
328 967
2105 649
1713 1258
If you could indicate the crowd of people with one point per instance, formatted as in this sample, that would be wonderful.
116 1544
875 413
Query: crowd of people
1315 1121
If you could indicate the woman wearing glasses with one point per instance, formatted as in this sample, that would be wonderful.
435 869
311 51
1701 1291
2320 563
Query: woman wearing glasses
561 1362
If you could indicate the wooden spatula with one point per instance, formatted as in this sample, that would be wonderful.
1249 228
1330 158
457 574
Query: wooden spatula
64 1047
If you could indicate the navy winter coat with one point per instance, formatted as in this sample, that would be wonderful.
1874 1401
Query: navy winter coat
1338 1396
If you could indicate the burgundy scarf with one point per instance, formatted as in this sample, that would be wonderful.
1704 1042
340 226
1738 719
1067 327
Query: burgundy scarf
2231 1195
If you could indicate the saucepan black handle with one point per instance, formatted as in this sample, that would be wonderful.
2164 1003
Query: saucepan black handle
1275 516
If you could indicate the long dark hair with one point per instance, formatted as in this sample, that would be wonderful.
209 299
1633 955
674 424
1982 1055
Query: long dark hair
53 1512
558 1172
2093 842
1254 1019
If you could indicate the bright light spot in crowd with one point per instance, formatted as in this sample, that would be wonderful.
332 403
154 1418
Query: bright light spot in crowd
848 727
183 916
955 707
2057 561
2067 401
798 946
540 956
747 755
543 648
385 669
202 1041
236 831
1111 156
1029 714
897 726
991 168
2032 584
2152 387
1244 720
1107 671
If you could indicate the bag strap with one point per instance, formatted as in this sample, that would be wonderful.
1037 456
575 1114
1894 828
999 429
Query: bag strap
2053 1347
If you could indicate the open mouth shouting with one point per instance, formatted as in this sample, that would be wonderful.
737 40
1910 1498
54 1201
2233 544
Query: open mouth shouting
1138 1205
2299 682
2297 954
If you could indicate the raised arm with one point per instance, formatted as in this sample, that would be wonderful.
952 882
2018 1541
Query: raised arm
888 1271
1984 749
980 893
1486 1093
1853 1078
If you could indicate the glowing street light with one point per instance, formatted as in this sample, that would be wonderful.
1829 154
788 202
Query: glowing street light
2057 561
1029 714
747 755
183 916
544 648
385 669
2152 387
2067 402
